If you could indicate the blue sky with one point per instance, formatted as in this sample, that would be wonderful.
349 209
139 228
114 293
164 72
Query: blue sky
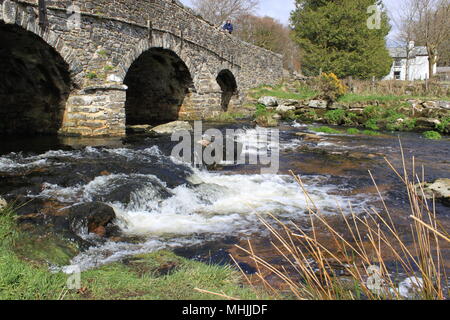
281 9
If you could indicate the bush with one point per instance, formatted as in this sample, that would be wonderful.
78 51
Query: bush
432 135
372 124
330 87
335 116
444 125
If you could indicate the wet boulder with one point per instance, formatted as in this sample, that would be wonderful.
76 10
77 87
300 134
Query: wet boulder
172 127
440 190
93 217
139 129
308 136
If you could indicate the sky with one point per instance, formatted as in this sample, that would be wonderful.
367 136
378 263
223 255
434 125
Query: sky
281 9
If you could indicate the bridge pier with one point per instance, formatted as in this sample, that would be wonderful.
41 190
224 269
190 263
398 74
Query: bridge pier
96 111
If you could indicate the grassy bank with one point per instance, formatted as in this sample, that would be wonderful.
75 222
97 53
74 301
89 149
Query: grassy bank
370 113
160 275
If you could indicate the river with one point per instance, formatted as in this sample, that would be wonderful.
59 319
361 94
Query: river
162 203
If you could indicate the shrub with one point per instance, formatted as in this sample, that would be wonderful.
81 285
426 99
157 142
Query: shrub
335 116
444 125
372 124
409 124
309 116
432 135
373 111
330 87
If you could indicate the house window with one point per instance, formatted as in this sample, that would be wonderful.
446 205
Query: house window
398 63
397 75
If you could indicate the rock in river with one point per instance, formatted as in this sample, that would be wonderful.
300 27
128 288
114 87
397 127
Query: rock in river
440 189
92 217
172 127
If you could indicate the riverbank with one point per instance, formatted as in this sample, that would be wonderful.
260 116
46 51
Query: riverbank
162 275
198 214
429 115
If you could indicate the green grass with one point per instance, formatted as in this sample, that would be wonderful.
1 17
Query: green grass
160 275
353 98
140 280
302 93
325 130
353 131
228 117
20 279
443 126
371 133
432 135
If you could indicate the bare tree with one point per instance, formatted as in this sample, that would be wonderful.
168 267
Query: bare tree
268 33
431 26
217 11
406 24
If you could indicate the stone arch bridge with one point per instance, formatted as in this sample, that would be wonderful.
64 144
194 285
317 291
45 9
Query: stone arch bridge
90 67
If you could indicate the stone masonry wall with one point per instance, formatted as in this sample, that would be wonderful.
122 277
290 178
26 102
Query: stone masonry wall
113 34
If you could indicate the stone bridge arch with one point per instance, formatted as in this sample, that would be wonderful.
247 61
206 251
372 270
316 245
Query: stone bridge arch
100 51
12 13
37 74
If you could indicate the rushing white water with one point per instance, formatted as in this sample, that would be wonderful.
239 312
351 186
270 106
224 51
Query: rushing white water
208 207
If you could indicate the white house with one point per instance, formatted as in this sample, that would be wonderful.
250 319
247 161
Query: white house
417 63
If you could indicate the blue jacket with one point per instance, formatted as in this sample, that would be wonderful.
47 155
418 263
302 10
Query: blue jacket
228 27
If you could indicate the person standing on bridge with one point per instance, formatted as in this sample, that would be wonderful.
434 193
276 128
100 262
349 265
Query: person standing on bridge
228 27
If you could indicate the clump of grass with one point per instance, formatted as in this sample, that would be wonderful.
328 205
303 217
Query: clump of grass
366 254
228 117
370 133
353 131
325 130
353 98
279 92
91 75
432 135
372 124
444 125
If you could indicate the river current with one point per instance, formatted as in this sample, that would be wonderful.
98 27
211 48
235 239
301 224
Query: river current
162 203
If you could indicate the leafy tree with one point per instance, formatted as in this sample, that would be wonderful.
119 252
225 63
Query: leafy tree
334 38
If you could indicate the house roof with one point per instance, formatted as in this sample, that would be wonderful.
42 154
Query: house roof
400 52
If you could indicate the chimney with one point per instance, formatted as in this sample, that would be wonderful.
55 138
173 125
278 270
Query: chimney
411 45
